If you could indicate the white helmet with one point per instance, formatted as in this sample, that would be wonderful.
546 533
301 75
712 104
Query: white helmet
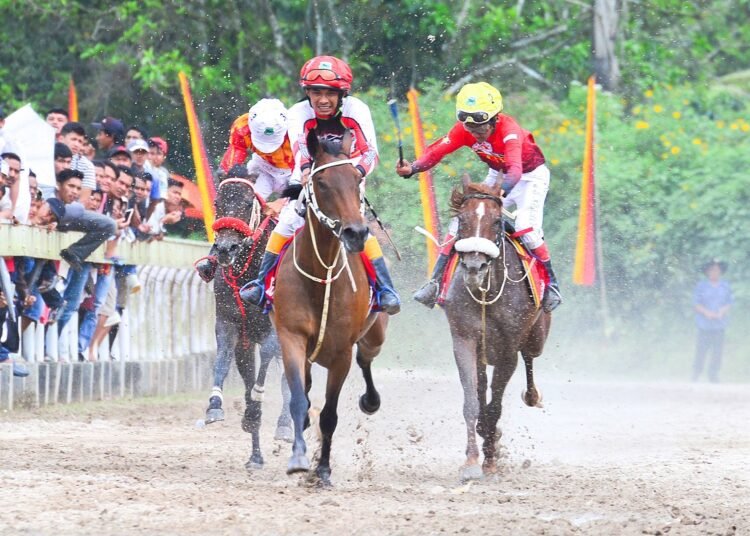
268 124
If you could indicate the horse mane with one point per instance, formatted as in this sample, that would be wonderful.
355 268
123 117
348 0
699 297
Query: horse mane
334 142
458 194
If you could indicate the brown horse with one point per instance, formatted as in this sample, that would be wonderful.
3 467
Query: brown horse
322 297
492 317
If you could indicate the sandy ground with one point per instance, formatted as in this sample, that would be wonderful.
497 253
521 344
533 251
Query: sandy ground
600 458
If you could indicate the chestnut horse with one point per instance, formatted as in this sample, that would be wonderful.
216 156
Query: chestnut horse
492 317
322 297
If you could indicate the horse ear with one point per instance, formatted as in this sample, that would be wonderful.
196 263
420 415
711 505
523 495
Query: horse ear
312 143
346 142
465 180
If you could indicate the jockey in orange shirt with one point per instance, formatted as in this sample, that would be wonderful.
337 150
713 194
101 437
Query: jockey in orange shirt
327 81
513 158
262 132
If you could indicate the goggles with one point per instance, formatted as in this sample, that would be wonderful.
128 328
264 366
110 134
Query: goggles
321 74
472 117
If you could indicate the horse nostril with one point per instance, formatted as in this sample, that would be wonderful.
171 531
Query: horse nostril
233 248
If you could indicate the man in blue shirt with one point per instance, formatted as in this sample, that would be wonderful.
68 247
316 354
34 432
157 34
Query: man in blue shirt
712 300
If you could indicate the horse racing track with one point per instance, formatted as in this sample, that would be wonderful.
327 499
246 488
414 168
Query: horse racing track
600 458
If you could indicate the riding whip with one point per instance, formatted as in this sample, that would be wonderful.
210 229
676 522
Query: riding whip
393 105
382 227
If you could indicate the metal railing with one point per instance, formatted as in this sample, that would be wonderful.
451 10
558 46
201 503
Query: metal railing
170 318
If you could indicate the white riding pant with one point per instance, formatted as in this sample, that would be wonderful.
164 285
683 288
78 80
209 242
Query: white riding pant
528 196
289 220
271 180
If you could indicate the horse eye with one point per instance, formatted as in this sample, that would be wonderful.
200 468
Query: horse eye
322 186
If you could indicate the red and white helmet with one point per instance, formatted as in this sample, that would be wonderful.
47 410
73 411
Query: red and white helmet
326 72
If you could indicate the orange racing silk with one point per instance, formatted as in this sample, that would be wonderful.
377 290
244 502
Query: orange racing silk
241 145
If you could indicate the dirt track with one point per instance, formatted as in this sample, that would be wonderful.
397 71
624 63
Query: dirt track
601 458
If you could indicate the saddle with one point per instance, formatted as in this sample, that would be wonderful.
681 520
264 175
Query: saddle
270 281
537 279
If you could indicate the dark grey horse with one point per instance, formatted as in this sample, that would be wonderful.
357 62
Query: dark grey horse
492 317
241 235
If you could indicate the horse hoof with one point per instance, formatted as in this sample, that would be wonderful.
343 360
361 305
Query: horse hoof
489 467
284 433
368 408
471 472
324 477
254 463
532 398
214 415
298 463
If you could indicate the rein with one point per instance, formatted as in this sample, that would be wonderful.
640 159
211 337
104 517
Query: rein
335 227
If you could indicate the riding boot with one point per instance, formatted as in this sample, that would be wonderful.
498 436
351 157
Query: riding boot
552 297
255 291
387 296
206 268
430 291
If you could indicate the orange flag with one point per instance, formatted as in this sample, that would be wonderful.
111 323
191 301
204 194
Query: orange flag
426 185
203 174
584 270
72 101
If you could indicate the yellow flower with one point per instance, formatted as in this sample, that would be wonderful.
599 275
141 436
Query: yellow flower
720 124
675 150
536 132
734 126
648 93
554 161
407 130
636 110
641 125
666 142
566 123
658 108
562 130
676 115
428 135
745 127
697 141
664 156
387 137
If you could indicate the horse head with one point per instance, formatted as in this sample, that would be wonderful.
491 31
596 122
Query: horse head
238 213
335 195
479 209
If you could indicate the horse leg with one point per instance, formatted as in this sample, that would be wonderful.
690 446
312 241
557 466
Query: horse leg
269 350
226 340
295 370
367 348
329 418
464 351
481 396
500 377
253 404
532 397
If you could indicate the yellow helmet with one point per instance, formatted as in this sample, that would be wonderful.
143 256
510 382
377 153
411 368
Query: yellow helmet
478 103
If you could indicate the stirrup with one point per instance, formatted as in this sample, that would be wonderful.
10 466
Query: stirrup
551 300
428 293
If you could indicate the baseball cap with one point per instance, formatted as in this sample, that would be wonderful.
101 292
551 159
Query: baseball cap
57 207
138 145
120 149
161 143
111 125
268 124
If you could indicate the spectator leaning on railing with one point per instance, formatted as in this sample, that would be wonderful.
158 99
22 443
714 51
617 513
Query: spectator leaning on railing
74 136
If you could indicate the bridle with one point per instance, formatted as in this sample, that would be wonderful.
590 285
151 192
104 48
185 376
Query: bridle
312 201
236 224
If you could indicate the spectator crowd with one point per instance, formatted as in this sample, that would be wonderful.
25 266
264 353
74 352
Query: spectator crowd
113 187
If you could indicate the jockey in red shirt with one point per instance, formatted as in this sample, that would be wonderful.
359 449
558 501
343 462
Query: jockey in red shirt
513 158
327 81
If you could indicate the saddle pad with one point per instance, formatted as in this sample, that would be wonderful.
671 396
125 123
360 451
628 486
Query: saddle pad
537 280
270 281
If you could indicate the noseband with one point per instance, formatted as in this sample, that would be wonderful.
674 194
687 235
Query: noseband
482 245
312 201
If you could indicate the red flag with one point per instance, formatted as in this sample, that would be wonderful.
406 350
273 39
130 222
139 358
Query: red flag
72 101
426 185
203 173
584 270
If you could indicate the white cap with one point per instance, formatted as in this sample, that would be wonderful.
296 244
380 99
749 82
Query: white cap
268 124
138 145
